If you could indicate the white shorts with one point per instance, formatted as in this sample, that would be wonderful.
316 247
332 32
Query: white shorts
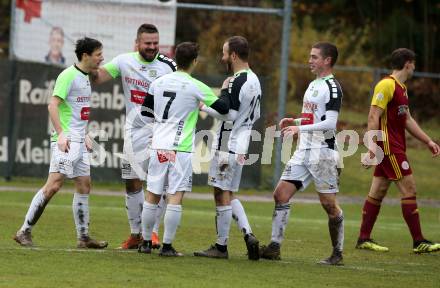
169 168
317 164
225 171
134 165
74 163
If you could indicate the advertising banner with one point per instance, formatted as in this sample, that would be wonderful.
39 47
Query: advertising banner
46 31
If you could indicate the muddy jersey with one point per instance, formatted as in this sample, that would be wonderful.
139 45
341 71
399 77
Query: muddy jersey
245 95
136 75
322 95
176 110
73 87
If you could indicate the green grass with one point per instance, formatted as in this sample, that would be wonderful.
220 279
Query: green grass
307 240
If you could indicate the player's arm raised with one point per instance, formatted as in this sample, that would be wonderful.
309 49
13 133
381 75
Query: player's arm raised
216 105
414 129
222 104
218 108
106 72
231 115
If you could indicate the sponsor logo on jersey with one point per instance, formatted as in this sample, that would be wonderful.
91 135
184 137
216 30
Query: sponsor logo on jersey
379 97
401 110
138 96
310 106
85 113
307 118
82 99
315 93
152 73
137 82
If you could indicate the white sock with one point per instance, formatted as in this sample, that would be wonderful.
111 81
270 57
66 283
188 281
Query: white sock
161 206
80 207
35 210
240 217
133 203
223 223
279 222
173 215
148 218
336 229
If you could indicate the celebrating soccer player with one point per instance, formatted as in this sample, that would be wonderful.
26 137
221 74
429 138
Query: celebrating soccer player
137 70
69 110
316 155
173 101
225 169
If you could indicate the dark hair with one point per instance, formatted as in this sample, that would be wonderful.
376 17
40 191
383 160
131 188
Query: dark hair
240 46
327 50
400 56
146 28
86 45
186 52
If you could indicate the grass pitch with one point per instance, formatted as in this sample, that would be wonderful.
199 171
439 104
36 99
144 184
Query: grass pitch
56 262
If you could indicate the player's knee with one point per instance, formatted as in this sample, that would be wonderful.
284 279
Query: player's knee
154 198
84 189
331 208
410 191
280 197
222 198
380 193
133 185
52 189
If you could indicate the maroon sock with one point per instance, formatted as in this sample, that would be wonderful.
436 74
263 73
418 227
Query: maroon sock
369 215
411 215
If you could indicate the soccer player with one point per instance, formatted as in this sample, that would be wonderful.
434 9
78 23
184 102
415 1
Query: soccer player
137 70
225 170
173 100
390 114
69 110
316 155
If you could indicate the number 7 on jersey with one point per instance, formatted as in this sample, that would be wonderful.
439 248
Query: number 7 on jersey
172 96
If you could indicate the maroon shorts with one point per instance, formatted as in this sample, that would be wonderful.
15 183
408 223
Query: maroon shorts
393 167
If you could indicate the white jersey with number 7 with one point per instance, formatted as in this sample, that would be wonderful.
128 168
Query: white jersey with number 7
176 108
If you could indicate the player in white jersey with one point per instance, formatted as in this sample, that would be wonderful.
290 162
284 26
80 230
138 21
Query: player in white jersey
137 70
226 166
69 110
173 100
316 156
